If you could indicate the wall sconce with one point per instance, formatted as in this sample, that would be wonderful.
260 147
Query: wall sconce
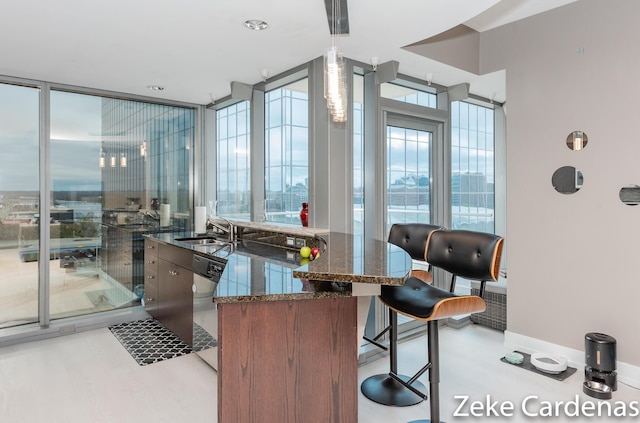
143 149
577 140
102 160
123 160
112 161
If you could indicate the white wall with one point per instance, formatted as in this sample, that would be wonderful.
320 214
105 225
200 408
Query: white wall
573 259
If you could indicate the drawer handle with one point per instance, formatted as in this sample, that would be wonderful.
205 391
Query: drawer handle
151 247
173 273
151 277
150 262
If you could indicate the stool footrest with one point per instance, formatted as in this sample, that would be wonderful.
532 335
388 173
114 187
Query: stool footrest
409 385
420 373
374 342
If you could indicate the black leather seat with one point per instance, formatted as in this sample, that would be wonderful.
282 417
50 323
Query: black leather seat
471 255
383 388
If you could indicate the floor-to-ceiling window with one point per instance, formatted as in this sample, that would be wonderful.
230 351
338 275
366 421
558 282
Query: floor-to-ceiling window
286 152
19 204
76 204
119 169
233 191
116 169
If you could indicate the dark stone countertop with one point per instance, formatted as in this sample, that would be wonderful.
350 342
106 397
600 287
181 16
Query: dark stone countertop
353 258
261 272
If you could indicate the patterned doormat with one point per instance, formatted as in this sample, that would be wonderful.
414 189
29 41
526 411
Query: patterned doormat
148 341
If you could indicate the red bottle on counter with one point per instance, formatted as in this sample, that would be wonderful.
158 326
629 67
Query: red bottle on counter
304 214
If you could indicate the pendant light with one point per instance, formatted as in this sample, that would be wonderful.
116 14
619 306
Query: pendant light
335 83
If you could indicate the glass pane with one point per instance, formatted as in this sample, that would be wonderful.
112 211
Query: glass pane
408 95
233 156
472 172
19 214
286 152
408 176
358 155
408 179
76 209
472 168
119 169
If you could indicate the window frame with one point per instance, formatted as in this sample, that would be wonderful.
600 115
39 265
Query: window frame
247 134
46 327
287 163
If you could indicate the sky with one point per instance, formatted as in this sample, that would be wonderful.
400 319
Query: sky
75 139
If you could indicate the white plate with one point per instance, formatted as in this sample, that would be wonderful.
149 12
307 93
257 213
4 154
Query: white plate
547 363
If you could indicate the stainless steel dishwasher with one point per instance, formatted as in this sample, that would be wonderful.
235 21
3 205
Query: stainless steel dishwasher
206 275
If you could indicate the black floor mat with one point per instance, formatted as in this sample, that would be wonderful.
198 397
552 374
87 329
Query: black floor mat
148 341
202 339
526 364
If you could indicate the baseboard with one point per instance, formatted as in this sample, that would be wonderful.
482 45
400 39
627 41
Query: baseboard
458 322
70 325
627 373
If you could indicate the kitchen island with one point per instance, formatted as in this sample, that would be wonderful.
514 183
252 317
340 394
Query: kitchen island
287 335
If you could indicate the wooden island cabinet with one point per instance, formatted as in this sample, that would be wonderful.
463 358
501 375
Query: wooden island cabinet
168 282
288 361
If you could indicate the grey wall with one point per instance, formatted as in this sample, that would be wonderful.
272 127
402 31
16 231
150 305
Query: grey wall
573 259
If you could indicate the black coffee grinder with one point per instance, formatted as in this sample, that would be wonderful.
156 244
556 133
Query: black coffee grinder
600 375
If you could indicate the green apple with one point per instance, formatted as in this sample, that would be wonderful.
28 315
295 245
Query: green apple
305 252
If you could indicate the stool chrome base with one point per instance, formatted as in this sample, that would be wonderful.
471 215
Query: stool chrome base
384 390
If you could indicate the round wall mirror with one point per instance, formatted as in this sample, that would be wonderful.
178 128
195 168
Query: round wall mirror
577 140
630 195
567 180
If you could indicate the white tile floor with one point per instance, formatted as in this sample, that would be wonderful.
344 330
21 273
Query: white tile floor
90 377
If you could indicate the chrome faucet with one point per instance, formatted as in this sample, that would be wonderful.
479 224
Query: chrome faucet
211 220
229 229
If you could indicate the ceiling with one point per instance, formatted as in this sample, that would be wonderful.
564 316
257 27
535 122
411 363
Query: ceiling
195 48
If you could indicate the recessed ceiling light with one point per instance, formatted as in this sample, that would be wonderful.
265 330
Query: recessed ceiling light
155 87
256 24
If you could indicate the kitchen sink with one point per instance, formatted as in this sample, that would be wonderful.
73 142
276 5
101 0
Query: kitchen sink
203 240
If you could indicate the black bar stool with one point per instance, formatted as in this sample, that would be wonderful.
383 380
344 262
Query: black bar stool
384 388
471 255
